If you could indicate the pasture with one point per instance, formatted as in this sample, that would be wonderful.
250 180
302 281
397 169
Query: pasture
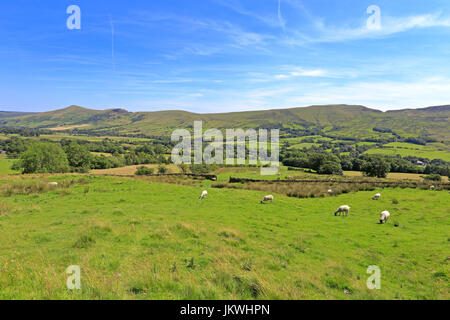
394 176
136 239
5 165
430 151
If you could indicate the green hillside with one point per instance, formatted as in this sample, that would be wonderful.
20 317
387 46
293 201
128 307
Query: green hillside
339 121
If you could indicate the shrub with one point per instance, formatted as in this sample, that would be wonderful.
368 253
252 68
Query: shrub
162 169
433 177
202 168
144 171
183 167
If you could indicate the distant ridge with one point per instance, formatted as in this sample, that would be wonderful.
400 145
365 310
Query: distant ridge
10 114
344 120
75 108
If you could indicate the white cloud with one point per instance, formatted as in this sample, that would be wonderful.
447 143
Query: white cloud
235 5
302 73
389 26
384 95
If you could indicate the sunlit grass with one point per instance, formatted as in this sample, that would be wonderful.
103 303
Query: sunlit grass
135 239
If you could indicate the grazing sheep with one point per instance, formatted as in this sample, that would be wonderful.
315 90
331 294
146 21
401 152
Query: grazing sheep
53 184
342 209
204 194
377 196
432 187
267 198
384 217
330 191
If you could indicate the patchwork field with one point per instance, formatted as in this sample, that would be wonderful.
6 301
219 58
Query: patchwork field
431 151
137 239
394 176
130 170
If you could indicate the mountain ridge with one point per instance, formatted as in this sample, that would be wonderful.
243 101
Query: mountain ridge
344 120
80 108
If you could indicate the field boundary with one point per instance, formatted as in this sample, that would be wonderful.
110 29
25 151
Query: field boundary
388 183
211 177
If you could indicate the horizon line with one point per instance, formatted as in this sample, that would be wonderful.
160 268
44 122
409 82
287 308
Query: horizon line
207 113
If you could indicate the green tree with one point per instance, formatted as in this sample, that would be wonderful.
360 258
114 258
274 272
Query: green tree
101 162
79 157
16 146
375 167
331 167
317 160
43 158
160 149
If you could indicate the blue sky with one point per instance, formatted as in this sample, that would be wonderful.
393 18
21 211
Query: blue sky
223 55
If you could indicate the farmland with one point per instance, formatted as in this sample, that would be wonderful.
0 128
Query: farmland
137 239
5 165
431 151
150 237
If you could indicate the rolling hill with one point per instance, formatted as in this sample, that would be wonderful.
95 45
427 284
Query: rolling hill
346 121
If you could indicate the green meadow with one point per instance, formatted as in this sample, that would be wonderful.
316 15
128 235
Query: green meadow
137 239
430 151
5 165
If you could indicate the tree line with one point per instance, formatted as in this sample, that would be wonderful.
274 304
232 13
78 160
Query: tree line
55 157
370 165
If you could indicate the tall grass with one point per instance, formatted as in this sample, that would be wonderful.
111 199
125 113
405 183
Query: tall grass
315 189
4 208
28 187
136 239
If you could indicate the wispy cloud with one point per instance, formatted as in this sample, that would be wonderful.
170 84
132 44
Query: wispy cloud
223 35
280 16
389 26
300 72
269 19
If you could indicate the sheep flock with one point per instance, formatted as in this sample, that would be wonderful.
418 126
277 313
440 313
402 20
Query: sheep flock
343 210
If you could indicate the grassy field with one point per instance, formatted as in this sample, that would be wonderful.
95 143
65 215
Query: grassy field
60 136
5 165
135 239
224 174
394 176
130 170
432 151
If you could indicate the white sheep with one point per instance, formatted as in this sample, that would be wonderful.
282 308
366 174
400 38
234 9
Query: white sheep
384 217
330 191
267 198
204 194
432 187
343 209
377 196
53 184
